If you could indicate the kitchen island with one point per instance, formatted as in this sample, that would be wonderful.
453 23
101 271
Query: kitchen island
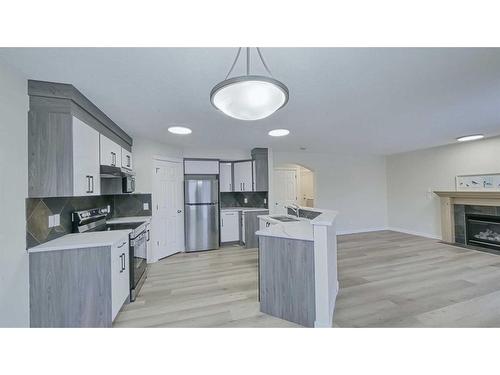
298 266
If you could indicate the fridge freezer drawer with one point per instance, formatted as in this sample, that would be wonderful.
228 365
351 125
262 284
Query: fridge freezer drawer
202 227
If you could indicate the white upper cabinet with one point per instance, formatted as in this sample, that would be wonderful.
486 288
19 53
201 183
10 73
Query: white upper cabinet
86 171
243 180
111 152
226 177
201 167
126 159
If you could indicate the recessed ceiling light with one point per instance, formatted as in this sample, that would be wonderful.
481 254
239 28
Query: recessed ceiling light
472 137
179 130
279 132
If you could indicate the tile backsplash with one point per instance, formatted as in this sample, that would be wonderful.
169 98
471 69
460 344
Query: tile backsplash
39 209
237 199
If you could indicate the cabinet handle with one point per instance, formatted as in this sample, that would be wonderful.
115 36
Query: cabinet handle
113 160
230 187
222 222
92 179
121 263
128 160
88 184
124 264
149 236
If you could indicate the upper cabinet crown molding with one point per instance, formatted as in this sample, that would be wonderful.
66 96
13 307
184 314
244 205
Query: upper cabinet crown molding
65 132
56 96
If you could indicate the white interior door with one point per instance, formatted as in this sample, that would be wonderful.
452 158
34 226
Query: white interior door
168 208
285 189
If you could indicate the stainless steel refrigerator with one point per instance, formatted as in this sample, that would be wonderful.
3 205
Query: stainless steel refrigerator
202 214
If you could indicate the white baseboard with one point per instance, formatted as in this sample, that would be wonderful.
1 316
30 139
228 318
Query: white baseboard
340 232
395 229
415 233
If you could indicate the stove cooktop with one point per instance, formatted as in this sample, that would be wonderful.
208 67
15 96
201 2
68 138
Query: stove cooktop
107 227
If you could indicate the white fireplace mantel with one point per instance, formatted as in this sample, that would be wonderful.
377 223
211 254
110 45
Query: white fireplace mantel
451 198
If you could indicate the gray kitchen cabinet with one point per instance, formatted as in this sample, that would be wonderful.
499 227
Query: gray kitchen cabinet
64 128
251 223
260 169
83 287
63 156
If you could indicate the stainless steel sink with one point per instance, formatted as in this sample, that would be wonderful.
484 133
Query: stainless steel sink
283 218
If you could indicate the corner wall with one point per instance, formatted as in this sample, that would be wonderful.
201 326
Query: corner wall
412 176
14 278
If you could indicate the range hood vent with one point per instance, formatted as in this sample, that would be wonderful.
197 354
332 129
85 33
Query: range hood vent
108 171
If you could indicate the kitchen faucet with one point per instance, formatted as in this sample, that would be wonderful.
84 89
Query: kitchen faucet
295 208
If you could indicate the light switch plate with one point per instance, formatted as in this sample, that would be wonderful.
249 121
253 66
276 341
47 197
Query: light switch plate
145 206
51 221
57 220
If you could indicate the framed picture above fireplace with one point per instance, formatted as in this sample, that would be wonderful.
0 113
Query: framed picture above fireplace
478 182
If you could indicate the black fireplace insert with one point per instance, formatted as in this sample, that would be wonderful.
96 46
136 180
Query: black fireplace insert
483 231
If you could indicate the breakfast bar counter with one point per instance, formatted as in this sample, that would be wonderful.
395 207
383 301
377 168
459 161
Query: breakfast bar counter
298 267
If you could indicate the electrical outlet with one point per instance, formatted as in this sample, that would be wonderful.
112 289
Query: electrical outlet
245 200
51 221
57 220
145 206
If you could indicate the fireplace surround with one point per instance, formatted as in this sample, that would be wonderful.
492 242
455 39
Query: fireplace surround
471 218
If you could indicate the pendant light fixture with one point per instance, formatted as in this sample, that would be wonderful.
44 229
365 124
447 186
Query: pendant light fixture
249 97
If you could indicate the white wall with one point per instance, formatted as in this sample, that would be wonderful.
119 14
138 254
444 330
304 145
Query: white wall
410 177
14 279
144 150
354 185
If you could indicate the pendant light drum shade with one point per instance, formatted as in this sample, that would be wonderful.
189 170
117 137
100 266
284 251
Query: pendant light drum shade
249 97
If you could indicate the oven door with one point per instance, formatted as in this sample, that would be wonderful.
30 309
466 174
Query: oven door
138 263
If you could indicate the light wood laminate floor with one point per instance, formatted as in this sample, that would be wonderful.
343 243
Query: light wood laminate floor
387 279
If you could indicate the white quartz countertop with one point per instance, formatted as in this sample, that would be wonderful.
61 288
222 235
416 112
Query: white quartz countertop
294 230
83 240
130 219
243 209
303 229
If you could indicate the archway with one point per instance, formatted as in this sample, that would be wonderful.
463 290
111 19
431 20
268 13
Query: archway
293 184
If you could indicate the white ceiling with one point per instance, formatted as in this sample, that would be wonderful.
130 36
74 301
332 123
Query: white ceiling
369 100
